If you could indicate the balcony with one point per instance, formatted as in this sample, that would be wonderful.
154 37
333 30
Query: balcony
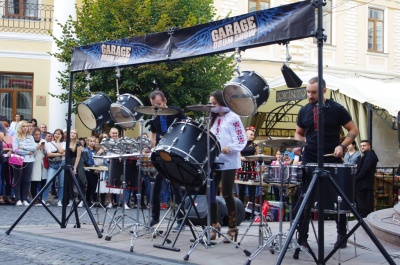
23 17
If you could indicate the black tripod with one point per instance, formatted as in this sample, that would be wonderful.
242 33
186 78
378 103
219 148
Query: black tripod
69 175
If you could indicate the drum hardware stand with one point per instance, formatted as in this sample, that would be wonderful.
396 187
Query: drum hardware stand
275 246
135 233
178 209
207 231
264 231
98 204
120 218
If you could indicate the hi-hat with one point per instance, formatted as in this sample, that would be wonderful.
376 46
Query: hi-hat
260 157
155 110
282 143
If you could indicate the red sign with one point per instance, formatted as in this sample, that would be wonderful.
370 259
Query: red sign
20 82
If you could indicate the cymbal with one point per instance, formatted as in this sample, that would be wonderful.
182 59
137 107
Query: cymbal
282 143
154 110
122 155
204 108
260 157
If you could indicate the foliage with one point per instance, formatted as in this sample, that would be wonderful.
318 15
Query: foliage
185 82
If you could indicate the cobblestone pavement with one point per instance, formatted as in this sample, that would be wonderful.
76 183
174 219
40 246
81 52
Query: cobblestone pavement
38 239
20 248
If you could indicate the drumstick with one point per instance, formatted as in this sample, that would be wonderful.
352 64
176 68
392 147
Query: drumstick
329 154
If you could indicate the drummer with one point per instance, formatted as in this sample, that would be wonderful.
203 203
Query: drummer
158 127
335 117
248 170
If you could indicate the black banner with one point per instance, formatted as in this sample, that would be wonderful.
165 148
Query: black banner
265 27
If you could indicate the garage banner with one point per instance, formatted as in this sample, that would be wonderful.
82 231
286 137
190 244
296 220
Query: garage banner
265 27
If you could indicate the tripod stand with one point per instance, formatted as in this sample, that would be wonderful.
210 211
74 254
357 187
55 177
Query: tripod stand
67 168
97 203
64 219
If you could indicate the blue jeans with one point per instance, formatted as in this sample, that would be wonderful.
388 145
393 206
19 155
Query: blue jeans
50 174
147 184
165 193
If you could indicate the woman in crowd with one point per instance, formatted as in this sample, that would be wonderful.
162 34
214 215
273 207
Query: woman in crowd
229 130
34 123
39 173
23 145
6 173
75 153
248 170
55 151
352 155
92 176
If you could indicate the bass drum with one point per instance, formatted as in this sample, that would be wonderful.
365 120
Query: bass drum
245 93
344 176
95 111
181 155
123 111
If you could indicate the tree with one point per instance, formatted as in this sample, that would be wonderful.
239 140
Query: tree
185 82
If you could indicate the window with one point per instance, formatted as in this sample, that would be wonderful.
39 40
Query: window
22 8
326 21
257 5
375 30
16 95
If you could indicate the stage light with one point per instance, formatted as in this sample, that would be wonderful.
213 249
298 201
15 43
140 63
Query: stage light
291 79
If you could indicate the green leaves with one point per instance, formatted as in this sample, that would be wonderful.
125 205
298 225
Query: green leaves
185 82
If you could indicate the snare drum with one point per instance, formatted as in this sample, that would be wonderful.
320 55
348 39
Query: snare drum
94 111
111 145
116 172
344 176
273 174
123 111
295 174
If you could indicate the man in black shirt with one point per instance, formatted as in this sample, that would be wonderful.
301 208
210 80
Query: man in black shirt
365 179
158 127
335 117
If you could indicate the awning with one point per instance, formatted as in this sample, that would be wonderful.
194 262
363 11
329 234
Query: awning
381 94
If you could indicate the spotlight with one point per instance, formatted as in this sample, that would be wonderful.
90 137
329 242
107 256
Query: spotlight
291 79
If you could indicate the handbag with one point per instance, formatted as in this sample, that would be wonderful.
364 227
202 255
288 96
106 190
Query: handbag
46 162
56 159
16 160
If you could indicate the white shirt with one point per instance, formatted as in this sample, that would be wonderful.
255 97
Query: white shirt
51 147
230 132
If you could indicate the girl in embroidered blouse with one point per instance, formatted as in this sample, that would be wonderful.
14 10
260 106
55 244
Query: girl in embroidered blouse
229 130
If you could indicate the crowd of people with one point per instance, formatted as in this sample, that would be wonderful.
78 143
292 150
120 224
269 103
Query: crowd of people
44 154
